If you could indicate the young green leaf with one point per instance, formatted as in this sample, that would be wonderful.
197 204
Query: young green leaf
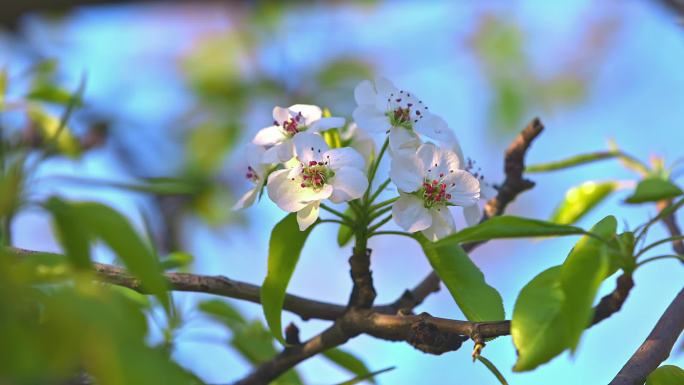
348 361
222 311
71 232
345 233
359 379
666 375
653 190
537 326
176 260
571 162
478 301
492 368
507 226
580 200
581 274
284 247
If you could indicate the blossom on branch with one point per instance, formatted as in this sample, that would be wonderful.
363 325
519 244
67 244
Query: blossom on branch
317 174
255 174
429 181
288 122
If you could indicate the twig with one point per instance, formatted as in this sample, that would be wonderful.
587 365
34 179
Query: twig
657 346
670 222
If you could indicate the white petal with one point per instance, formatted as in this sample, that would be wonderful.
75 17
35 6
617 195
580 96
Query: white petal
455 146
281 114
472 214
349 184
403 140
371 119
247 199
465 190
406 172
384 88
281 152
309 147
310 112
446 161
255 156
323 124
364 93
427 153
343 157
434 127
269 136
283 191
442 224
308 215
409 213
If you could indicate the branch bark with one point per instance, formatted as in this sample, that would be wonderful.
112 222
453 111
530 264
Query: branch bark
657 346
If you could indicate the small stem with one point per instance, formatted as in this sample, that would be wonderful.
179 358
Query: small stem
374 169
660 242
337 213
647 260
336 221
356 207
379 224
383 204
379 190
392 233
379 213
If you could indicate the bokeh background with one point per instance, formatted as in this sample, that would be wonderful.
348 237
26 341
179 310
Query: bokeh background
175 89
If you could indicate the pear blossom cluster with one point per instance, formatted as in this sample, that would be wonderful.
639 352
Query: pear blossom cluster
298 165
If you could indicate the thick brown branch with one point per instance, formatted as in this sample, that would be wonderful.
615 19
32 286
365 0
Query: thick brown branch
513 185
657 346
363 293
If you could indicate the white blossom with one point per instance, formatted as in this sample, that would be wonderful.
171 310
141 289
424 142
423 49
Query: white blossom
384 108
429 181
358 139
255 174
318 174
473 214
287 122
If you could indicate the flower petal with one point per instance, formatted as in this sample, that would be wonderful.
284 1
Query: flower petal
308 215
472 214
283 191
343 157
247 199
442 224
464 188
406 172
255 155
371 119
434 127
349 184
309 147
281 114
269 136
323 124
384 88
364 93
403 140
409 213
281 152
310 112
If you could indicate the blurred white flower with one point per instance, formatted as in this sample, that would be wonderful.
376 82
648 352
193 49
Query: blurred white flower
288 122
256 174
429 181
359 140
384 108
319 174
473 214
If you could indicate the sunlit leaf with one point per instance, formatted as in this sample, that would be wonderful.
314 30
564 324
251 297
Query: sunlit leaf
507 226
580 200
653 190
492 368
573 161
50 93
176 260
4 80
284 247
73 234
477 300
345 233
51 127
584 269
348 361
359 379
666 375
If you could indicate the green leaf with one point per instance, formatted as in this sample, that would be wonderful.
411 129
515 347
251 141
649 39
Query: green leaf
478 301
345 233
221 311
537 326
572 161
284 247
54 129
581 274
364 377
507 226
50 93
73 235
347 361
492 368
177 260
666 375
653 190
580 200
3 85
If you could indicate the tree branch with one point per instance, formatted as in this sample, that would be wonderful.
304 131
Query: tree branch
673 228
657 346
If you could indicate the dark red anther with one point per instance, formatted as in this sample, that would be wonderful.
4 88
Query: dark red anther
312 163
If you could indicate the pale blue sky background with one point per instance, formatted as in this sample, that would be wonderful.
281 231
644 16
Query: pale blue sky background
636 96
